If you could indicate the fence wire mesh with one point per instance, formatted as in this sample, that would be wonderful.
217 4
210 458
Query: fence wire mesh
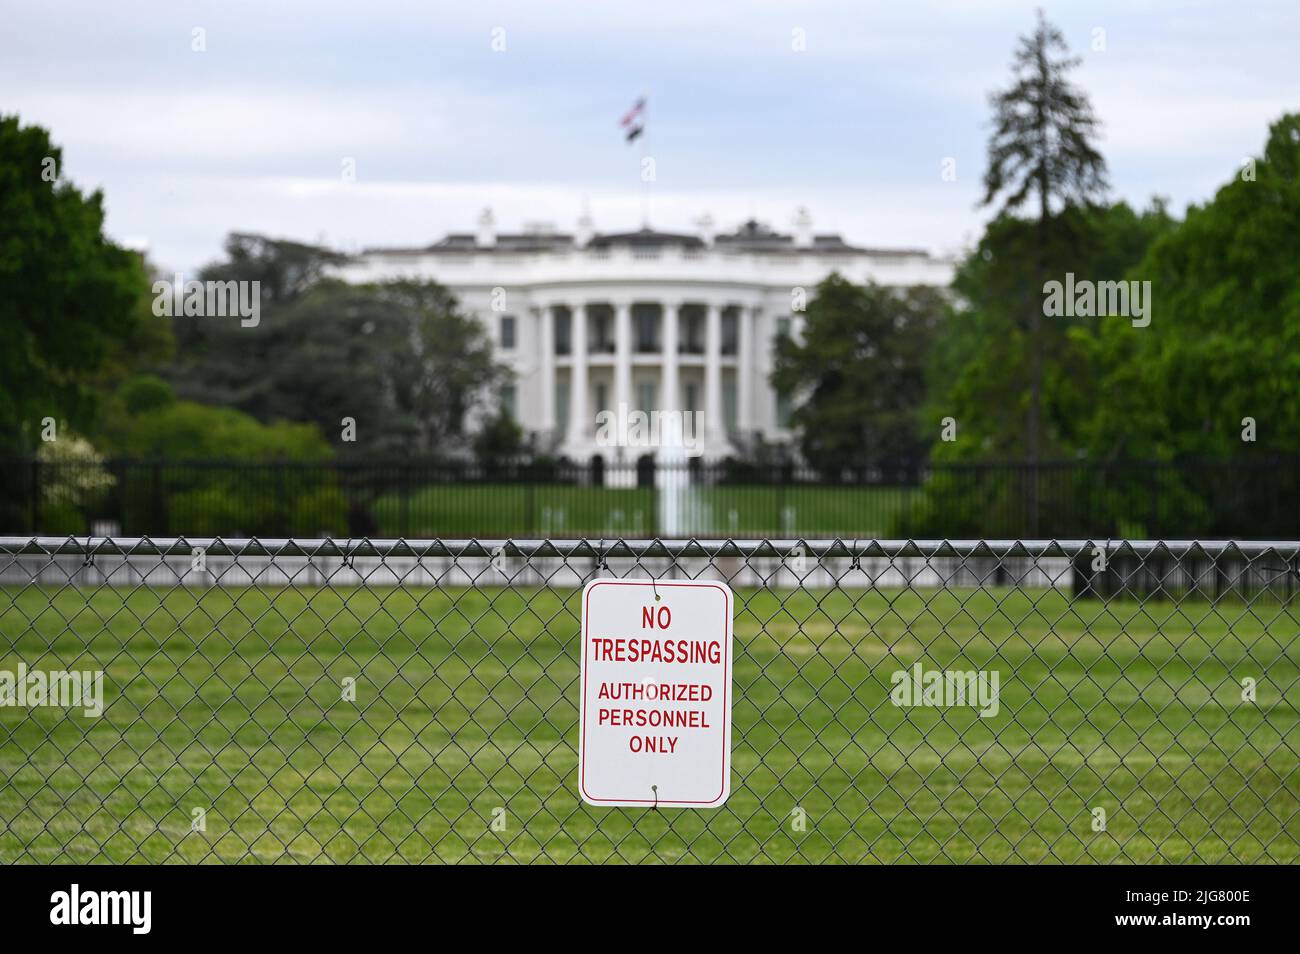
393 701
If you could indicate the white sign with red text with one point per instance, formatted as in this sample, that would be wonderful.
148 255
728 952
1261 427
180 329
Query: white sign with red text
655 711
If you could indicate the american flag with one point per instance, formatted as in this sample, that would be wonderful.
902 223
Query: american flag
634 121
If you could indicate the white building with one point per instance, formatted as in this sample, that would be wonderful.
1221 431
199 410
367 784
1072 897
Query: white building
642 320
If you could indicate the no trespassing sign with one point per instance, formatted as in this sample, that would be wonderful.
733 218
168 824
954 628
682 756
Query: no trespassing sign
655 683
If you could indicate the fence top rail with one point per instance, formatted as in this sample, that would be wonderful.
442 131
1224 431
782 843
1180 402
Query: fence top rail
602 548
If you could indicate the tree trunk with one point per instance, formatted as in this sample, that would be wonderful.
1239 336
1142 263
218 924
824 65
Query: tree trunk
1035 423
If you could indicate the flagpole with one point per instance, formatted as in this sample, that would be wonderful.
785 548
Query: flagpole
645 126
635 122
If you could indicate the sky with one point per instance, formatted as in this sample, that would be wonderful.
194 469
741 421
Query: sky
441 109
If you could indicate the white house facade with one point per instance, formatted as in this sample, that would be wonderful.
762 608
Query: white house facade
645 320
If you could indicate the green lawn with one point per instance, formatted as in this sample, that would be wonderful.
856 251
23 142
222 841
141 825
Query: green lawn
518 511
565 510
229 700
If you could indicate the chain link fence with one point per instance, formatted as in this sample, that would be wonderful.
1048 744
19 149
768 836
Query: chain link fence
392 701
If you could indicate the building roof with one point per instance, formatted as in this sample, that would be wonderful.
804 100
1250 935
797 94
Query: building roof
751 236
645 238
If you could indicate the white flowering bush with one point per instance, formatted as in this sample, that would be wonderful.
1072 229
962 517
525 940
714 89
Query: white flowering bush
73 472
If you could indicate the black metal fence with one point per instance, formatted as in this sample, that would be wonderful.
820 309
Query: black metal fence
1258 499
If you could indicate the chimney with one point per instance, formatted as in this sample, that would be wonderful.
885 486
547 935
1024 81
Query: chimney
803 233
487 230
705 226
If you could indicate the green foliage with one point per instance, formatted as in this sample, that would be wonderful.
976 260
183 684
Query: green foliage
285 269
70 300
320 512
980 371
398 358
171 484
188 431
145 392
860 370
298 502
62 519
1224 339
1043 131
1042 145
498 441
1223 345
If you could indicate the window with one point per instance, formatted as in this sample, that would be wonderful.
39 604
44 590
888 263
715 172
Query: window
691 404
509 402
692 336
645 396
562 406
602 397
730 332
507 330
783 327
647 340
783 408
604 341
563 332
729 402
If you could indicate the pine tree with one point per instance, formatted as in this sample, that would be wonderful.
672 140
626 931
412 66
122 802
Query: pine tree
1042 148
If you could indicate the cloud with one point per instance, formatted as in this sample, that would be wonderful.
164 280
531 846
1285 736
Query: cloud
252 134
351 216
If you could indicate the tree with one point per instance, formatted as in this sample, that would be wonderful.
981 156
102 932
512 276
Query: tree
286 269
214 359
1224 340
171 487
974 375
397 358
69 297
974 379
499 441
1042 148
448 373
860 372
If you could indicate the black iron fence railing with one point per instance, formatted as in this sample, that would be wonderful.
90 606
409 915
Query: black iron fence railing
1247 500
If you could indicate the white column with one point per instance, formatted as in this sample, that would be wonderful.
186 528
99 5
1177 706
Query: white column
669 399
546 341
622 357
713 429
744 369
765 339
578 379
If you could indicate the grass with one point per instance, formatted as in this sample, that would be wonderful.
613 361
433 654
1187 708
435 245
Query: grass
566 510
228 700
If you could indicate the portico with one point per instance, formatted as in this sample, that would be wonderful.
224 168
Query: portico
689 353
642 321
